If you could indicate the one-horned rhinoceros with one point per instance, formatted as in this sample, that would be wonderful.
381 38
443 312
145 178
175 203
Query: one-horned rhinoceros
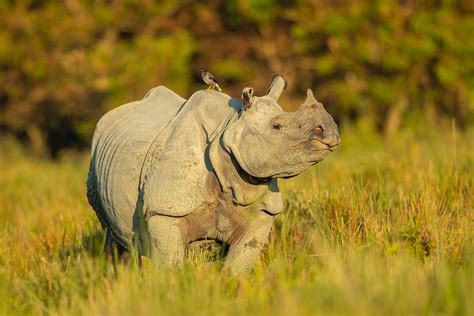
166 172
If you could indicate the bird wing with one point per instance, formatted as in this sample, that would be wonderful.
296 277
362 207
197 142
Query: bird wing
211 77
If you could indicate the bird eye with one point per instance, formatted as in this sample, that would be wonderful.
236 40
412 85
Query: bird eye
277 126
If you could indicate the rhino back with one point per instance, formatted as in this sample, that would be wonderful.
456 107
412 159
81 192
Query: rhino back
119 145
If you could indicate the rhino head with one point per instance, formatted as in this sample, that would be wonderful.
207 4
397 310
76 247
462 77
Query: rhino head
270 143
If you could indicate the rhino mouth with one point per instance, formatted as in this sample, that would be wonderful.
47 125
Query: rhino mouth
317 146
319 153
326 146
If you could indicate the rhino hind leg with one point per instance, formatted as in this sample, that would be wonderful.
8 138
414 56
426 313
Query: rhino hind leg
112 246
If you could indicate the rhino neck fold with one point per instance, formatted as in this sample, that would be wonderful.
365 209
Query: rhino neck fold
244 188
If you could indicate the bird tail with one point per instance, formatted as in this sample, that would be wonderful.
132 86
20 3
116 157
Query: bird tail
218 88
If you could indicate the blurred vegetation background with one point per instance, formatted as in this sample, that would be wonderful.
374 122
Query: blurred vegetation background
383 64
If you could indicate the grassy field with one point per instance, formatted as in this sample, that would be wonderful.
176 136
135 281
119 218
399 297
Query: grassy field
382 226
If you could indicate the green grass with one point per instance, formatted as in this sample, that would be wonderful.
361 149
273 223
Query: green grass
382 226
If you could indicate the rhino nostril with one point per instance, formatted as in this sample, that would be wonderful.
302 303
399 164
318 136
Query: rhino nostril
318 129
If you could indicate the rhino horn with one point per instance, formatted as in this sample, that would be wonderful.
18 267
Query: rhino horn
277 86
311 100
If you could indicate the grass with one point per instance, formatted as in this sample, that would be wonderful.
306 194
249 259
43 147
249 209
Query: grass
382 226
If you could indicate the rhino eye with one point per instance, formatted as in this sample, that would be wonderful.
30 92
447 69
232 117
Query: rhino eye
277 126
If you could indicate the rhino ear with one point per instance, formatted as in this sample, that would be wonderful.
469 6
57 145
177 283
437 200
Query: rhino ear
277 86
247 97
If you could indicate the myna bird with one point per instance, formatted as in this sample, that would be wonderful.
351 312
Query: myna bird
209 79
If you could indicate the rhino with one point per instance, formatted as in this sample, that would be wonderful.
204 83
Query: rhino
166 172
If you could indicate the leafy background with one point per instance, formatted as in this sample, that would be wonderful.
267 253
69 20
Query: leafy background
382 64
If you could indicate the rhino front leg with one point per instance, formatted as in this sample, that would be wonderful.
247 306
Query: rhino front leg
244 253
166 241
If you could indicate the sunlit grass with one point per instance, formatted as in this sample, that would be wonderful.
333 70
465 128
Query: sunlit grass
382 226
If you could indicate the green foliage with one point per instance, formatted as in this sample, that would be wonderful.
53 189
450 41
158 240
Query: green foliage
64 63
251 11
388 231
396 52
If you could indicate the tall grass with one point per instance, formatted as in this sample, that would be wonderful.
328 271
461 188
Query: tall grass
382 226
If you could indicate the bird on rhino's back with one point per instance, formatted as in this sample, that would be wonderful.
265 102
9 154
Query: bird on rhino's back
209 79
166 172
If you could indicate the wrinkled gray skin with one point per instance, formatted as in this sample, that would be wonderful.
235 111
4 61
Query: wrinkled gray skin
166 172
